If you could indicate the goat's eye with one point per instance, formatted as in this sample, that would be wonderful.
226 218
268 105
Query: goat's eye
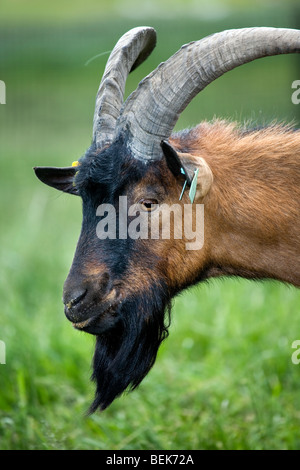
148 205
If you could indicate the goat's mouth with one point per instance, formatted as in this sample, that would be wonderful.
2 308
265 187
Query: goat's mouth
98 323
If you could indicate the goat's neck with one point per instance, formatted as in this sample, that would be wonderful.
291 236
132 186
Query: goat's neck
252 226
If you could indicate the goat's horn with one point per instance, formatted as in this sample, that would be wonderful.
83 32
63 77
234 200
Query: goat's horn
151 112
130 51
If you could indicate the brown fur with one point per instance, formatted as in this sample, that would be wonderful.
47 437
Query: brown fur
252 226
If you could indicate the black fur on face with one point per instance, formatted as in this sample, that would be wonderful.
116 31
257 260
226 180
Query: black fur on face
126 353
127 338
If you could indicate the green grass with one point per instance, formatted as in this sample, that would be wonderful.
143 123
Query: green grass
224 378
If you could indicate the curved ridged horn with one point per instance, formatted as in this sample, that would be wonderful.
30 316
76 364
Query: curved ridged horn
151 112
130 51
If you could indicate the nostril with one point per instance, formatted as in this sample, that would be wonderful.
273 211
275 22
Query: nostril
76 298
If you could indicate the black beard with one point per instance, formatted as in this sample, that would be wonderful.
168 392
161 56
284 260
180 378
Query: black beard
125 354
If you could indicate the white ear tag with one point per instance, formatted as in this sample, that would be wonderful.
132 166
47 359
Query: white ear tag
193 188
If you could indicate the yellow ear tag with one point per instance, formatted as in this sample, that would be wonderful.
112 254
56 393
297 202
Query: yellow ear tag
76 163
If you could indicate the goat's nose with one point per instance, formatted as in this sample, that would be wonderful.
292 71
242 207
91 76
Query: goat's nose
74 297
81 296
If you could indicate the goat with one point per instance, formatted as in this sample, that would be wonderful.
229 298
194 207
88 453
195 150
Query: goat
120 288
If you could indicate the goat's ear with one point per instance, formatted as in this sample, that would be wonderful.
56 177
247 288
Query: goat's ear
185 164
174 162
58 178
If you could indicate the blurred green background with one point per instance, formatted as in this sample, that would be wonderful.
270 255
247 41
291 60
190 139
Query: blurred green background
224 378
